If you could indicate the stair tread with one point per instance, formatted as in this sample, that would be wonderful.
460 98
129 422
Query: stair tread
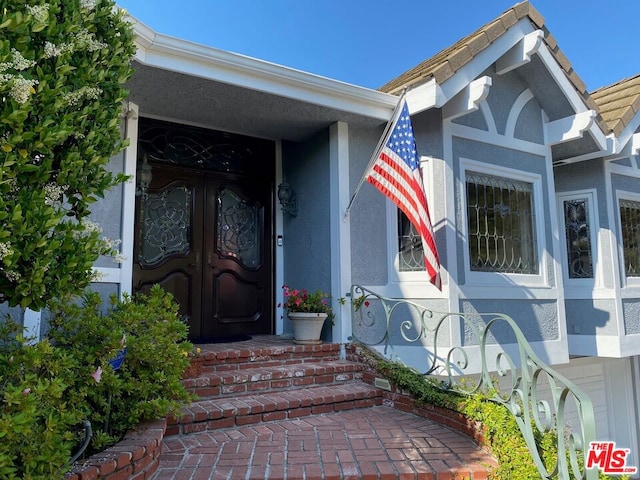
205 409
329 366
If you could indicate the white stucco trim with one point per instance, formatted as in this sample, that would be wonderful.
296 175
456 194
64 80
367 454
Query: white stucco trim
129 199
493 138
568 128
279 248
516 109
170 53
468 100
587 285
520 53
339 197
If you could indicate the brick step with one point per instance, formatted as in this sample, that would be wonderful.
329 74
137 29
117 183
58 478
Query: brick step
267 379
251 409
226 357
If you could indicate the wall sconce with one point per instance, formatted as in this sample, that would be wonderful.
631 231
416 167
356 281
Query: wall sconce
144 175
287 198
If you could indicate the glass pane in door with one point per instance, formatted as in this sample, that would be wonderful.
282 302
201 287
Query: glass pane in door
166 223
238 234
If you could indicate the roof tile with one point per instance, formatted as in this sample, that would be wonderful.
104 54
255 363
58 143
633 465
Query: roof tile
534 15
460 58
443 72
509 19
619 103
478 43
493 30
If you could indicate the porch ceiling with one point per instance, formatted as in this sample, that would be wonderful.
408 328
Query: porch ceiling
213 104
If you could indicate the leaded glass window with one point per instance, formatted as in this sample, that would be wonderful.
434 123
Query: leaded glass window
630 226
238 226
500 224
410 252
578 238
166 225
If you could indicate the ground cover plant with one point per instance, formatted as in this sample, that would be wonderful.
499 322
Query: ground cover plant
501 431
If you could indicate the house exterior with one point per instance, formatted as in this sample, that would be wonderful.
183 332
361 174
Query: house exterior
533 186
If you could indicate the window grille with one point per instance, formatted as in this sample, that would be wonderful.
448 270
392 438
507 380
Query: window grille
578 238
630 226
410 252
501 224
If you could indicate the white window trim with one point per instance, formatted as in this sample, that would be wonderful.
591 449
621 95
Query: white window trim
594 227
624 280
416 279
473 278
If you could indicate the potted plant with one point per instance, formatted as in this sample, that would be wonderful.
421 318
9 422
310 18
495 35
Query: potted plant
307 312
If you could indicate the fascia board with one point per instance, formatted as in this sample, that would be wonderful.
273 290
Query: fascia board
170 53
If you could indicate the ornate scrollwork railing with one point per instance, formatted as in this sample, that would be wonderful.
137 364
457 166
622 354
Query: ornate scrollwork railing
486 353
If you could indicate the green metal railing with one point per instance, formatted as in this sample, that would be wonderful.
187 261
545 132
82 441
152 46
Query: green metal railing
486 353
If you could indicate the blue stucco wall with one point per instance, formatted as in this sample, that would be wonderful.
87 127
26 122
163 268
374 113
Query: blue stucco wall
591 317
538 319
307 241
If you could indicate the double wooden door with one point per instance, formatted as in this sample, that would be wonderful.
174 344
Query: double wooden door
206 238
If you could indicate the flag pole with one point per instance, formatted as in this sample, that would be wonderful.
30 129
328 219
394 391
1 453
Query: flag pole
383 139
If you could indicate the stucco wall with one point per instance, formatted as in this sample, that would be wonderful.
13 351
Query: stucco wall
368 214
537 319
591 317
307 242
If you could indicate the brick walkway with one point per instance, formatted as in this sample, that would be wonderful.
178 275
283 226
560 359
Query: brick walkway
371 443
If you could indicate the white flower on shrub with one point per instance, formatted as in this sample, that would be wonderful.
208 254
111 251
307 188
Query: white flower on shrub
88 4
53 193
5 250
39 12
85 40
73 98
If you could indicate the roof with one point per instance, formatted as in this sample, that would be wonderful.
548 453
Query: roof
619 103
446 63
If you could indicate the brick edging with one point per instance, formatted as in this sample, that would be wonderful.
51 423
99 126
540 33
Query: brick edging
404 401
136 457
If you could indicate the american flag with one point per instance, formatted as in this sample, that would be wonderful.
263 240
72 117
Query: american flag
396 173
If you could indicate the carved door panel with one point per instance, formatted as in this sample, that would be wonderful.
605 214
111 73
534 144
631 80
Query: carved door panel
237 277
206 239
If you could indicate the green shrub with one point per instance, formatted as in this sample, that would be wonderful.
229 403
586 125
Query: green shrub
63 64
48 389
147 385
39 410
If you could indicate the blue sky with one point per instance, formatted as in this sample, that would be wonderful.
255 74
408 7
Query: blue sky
369 42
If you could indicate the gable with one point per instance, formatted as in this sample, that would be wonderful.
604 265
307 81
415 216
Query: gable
517 41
